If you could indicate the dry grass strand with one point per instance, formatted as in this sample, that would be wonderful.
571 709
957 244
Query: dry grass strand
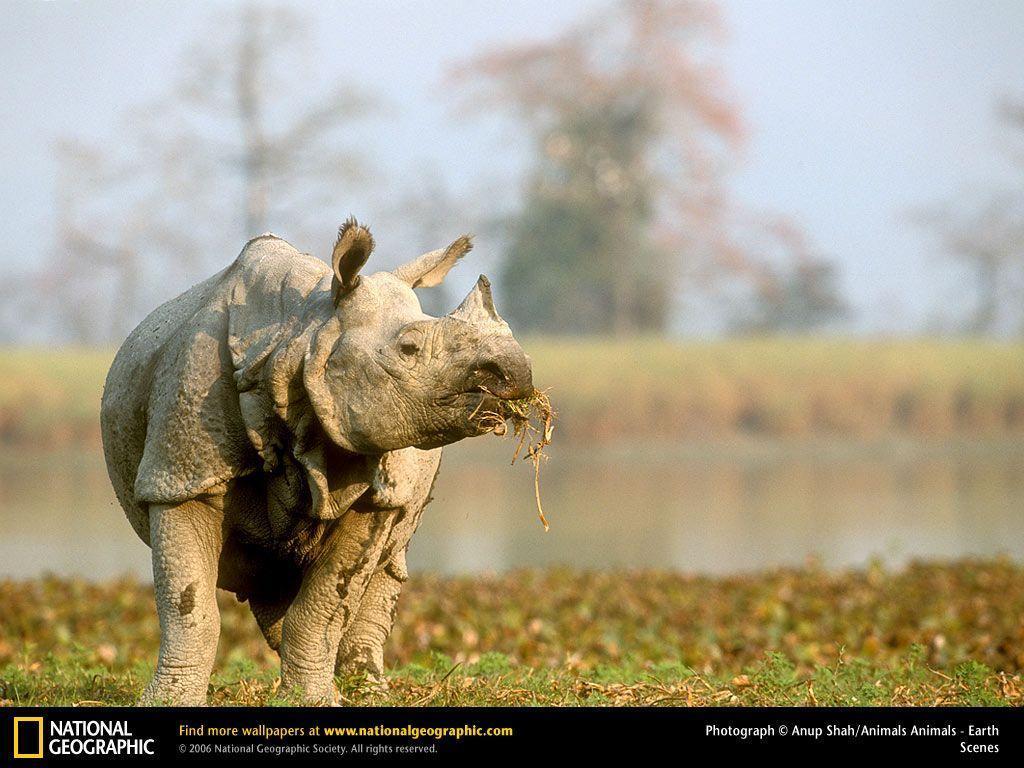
532 420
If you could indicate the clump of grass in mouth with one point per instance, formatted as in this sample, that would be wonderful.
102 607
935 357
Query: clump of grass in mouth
532 422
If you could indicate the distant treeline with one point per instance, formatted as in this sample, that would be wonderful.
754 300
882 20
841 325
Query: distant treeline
608 390
619 218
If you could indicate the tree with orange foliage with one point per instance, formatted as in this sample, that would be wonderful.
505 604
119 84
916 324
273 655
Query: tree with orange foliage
630 130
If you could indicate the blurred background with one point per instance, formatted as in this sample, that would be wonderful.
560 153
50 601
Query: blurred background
768 257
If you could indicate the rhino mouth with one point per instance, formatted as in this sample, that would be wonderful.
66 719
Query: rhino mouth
478 397
474 404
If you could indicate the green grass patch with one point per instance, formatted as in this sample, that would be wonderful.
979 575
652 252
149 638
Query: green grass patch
928 634
774 681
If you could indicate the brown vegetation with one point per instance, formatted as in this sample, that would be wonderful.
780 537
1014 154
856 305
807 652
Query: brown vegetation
929 634
641 388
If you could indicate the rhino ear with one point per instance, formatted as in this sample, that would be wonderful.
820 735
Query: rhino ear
352 249
430 268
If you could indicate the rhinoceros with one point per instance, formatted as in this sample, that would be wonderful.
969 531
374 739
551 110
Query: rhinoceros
276 431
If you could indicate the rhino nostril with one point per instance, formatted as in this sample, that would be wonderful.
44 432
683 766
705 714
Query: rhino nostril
493 370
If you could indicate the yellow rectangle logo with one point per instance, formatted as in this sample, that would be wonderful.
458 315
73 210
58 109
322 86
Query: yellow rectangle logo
36 744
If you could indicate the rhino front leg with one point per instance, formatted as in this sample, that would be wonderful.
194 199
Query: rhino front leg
329 597
186 541
362 647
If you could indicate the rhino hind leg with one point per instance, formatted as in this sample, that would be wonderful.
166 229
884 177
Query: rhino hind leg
268 583
186 541
362 648
270 613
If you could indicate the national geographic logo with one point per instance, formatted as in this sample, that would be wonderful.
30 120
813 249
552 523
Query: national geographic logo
28 737
77 737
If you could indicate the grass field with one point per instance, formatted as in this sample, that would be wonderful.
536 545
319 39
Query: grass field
607 389
930 634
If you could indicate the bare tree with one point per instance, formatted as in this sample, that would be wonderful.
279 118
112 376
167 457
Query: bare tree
784 286
94 271
985 238
989 243
238 146
428 212
245 121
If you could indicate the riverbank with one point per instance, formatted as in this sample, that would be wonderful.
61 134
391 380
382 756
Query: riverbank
605 390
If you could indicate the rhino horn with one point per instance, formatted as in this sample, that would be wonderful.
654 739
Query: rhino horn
478 306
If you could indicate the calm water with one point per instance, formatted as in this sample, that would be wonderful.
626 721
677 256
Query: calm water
714 509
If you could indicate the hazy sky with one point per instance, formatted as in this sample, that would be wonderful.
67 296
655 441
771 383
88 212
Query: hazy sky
857 112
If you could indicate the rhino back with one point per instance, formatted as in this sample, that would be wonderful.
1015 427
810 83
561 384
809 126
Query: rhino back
170 417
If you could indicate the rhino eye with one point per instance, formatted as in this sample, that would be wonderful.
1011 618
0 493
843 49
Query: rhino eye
410 343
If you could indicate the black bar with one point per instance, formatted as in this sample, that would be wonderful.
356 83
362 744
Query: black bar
982 735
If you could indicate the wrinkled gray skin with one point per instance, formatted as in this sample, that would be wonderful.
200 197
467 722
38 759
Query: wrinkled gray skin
276 430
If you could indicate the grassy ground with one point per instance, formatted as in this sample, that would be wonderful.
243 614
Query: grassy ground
928 634
606 389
